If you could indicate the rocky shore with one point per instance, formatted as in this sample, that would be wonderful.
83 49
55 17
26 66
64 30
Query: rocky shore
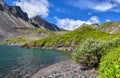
70 49
66 69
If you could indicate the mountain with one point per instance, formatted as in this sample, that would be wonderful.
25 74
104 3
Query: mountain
108 27
37 21
13 21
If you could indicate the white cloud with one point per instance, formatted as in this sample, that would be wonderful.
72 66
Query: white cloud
93 4
71 24
34 7
117 1
108 20
94 19
104 6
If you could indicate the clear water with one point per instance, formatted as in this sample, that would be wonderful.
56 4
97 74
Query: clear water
18 62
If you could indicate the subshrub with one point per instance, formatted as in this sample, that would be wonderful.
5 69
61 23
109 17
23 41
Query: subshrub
89 52
110 65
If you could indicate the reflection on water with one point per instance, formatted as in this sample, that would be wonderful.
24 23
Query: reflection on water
19 62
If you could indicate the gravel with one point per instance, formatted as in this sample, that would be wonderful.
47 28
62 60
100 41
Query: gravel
65 69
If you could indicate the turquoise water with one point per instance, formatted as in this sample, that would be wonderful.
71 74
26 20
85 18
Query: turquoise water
16 62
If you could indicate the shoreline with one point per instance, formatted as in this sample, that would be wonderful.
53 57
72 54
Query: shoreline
68 49
65 69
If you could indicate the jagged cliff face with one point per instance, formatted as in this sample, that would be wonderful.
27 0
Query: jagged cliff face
14 10
12 19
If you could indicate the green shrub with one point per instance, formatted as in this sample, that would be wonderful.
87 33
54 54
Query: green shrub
110 65
89 52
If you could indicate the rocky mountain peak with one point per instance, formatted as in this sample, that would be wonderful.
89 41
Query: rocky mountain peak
3 5
37 21
2 2
14 10
17 12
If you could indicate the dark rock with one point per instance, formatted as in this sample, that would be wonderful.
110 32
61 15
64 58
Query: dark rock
37 21
17 12
1 7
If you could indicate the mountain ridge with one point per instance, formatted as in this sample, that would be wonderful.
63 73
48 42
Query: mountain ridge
37 21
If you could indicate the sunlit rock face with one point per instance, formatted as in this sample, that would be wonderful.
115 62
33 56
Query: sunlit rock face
11 19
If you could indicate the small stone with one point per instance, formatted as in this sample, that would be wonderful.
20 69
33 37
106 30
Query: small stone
50 77
82 77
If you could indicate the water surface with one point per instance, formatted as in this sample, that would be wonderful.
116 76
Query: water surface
18 62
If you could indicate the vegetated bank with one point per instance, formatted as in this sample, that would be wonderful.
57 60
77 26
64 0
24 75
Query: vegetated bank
70 40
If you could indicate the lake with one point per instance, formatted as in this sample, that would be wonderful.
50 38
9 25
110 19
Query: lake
16 62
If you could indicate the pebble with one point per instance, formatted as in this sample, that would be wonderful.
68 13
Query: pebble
65 69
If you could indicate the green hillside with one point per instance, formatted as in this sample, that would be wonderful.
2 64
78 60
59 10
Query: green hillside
71 39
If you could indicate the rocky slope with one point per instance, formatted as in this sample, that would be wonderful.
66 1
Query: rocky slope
13 10
110 27
37 21
13 19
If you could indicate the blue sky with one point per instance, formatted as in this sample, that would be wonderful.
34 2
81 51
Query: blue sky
70 14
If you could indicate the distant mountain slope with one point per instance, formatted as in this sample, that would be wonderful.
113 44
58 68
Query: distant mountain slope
37 21
110 27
